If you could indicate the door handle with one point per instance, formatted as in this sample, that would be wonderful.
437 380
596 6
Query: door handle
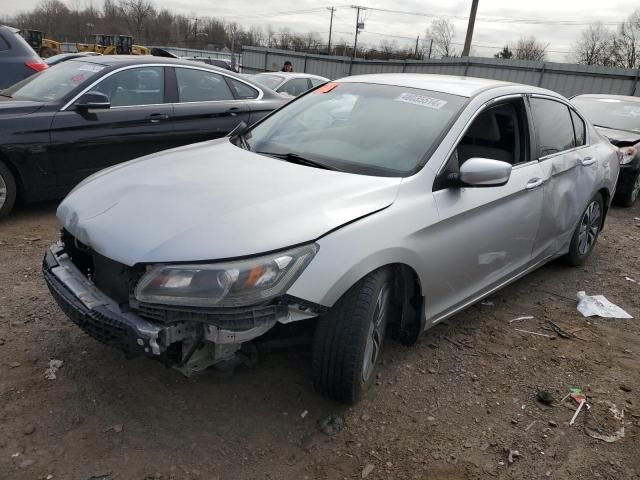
233 111
587 161
534 183
158 117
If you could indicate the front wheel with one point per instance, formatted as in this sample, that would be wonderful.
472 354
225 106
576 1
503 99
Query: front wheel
348 341
7 190
586 234
629 197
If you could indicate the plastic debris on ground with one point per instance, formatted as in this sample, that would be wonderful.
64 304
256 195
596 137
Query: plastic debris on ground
54 365
612 421
519 319
598 305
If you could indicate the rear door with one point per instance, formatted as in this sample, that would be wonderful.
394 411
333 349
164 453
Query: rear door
569 170
207 106
137 124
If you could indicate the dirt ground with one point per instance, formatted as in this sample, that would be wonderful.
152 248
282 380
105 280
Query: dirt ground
448 408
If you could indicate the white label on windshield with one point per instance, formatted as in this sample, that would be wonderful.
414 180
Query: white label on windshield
422 100
91 68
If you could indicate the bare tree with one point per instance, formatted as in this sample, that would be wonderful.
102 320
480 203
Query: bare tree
530 49
595 46
505 53
137 12
627 42
442 32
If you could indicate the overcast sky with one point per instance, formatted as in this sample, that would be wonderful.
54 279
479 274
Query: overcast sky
491 31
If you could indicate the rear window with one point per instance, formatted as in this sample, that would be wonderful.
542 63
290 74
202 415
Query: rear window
269 81
4 45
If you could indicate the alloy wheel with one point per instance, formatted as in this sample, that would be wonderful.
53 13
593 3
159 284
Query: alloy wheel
589 228
375 336
3 192
636 189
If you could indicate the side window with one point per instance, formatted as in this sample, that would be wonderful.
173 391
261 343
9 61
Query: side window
316 81
580 130
554 129
295 87
201 86
135 86
242 90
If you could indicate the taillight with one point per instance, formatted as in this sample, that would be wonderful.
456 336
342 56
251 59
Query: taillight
37 66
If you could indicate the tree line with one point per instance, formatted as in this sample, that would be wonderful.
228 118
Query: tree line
150 25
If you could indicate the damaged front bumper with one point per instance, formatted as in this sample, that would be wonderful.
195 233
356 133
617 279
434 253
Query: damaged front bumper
189 339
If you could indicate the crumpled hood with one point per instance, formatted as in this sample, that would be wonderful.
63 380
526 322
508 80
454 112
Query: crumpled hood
212 201
12 107
619 137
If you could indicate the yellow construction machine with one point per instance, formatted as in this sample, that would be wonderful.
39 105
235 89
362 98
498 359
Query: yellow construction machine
113 45
43 46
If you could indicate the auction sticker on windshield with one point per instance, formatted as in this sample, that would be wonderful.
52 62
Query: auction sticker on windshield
422 100
91 68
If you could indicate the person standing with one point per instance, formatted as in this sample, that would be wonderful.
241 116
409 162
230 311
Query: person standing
288 67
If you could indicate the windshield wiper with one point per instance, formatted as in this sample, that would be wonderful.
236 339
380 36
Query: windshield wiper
300 160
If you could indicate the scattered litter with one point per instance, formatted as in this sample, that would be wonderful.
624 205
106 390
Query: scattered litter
331 425
560 331
33 239
304 414
512 455
487 303
99 476
629 279
530 425
545 396
15 364
54 365
616 417
15 455
116 428
535 333
599 306
367 470
578 396
519 319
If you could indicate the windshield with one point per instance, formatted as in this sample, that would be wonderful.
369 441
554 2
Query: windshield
611 112
359 127
269 81
55 82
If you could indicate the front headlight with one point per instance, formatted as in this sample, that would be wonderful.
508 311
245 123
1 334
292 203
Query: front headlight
628 153
226 284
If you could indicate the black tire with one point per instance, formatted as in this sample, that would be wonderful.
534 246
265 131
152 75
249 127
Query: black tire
347 338
7 190
586 234
629 197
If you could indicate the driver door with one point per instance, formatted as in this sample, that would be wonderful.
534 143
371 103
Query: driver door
137 123
485 236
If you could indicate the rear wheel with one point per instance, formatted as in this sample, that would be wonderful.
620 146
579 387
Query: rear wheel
629 198
586 234
7 190
348 341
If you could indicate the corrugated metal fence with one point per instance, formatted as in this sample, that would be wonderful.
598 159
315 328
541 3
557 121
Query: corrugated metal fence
567 79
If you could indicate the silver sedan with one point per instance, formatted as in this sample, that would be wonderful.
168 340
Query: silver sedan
374 205
290 84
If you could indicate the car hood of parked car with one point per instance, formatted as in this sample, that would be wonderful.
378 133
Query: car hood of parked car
9 106
621 138
212 201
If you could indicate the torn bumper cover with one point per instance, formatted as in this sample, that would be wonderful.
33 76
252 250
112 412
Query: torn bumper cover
147 329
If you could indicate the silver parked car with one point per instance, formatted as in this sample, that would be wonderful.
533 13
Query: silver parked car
375 205
291 84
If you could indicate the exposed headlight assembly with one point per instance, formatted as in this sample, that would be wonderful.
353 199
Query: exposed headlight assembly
628 154
225 284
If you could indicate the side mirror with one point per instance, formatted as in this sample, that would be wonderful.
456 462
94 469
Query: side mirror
484 172
93 101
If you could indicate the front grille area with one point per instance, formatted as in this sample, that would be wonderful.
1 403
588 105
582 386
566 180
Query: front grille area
237 319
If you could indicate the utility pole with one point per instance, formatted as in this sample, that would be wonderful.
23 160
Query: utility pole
359 26
332 9
472 22
430 47
417 41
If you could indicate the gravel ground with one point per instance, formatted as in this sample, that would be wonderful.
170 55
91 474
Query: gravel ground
451 407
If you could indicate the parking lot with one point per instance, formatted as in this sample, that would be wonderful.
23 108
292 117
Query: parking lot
449 408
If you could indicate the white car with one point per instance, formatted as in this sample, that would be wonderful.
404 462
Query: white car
291 84
374 205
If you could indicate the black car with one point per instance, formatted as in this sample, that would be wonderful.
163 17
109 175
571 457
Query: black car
63 57
617 117
17 59
83 115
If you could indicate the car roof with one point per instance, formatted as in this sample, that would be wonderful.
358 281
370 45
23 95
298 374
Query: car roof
462 86
123 60
292 75
612 97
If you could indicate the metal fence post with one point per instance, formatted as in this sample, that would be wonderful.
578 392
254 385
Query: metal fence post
266 58
635 83
466 66
304 68
541 74
404 66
